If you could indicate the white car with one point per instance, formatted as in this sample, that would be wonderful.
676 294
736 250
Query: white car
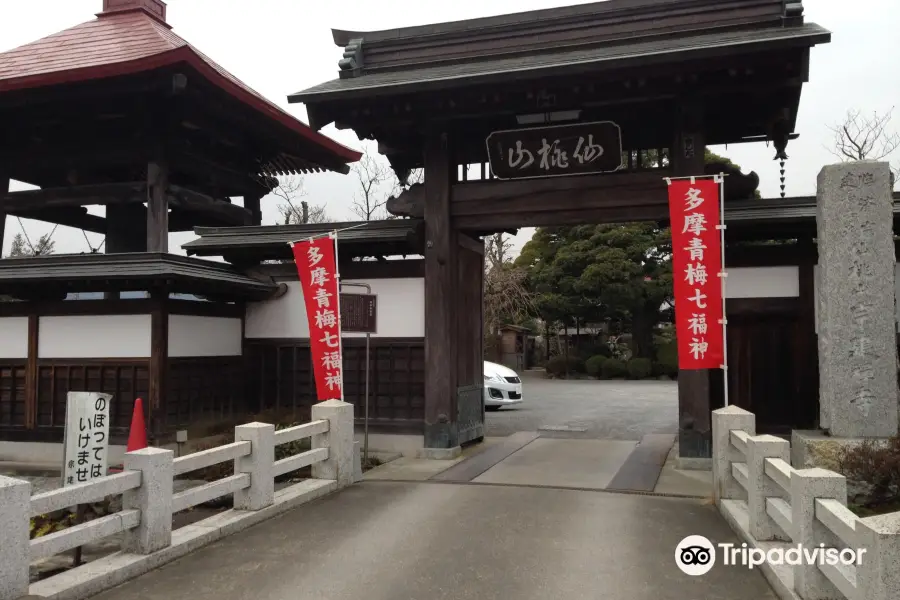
502 386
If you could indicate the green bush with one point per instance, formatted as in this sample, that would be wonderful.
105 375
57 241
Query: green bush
639 368
594 349
613 368
667 359
594 365
557 366
576 365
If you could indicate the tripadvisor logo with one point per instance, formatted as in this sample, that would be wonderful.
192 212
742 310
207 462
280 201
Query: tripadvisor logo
696 555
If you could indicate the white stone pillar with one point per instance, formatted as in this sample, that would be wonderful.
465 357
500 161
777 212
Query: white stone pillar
857 333
759 448
724 420
259 464
806 486
878 576
15 550
338 439
153 498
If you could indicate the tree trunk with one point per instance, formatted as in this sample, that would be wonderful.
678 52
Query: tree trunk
642 324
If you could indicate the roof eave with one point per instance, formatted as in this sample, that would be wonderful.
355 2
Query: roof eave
311 98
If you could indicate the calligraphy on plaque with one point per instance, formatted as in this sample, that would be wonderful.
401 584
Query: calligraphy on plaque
358 312
556 150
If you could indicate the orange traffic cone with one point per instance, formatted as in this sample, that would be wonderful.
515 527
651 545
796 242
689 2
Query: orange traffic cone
137 435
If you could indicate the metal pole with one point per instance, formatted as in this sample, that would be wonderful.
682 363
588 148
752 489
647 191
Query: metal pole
723 276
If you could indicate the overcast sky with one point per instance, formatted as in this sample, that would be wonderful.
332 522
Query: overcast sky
283 46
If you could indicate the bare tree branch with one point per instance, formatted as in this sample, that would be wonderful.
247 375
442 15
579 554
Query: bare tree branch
506 298
372 174
497 250
865 137
293 209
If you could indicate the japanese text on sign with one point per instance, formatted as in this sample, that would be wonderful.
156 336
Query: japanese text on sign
317 269
86 437
696 269
555 150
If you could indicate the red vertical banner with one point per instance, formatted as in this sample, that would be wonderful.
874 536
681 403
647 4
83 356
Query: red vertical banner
316 261
696 269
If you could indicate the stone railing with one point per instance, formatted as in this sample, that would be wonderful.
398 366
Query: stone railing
148 501
775 506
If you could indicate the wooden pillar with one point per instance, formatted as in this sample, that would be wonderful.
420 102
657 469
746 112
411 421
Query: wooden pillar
441 249
805 411
251 203
126 228
695 388
157 207
159 358
31 373
4 188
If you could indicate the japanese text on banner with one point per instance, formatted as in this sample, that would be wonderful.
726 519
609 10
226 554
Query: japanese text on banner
317 269
696 269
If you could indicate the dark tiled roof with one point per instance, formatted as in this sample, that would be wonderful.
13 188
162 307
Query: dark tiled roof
132 42
84 272
797 208
661 48
215 240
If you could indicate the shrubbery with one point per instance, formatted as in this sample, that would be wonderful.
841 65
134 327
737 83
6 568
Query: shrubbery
667 359
639 368
557 366
874 466
594 365
613 368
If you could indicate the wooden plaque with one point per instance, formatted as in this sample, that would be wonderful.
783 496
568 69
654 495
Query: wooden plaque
358 312
556 150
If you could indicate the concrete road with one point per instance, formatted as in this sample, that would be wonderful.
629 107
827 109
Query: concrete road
612 410
412 541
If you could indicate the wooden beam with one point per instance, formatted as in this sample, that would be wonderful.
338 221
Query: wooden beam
82 195
251 203
157 207
470 243
159 357
71 216
440 280
695 386
220 175
31 372
193 201
4 187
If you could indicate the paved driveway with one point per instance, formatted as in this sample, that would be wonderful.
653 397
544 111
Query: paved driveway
613 410
412 541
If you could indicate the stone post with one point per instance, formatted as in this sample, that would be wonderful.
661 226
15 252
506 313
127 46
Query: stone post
338 439
806 486
725 487
857 333
259 464
153 498
15 550
878 576
759 448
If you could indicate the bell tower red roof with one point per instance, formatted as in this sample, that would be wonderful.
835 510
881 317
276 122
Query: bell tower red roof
130 37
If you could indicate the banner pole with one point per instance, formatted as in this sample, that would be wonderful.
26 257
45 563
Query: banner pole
337 276
723 276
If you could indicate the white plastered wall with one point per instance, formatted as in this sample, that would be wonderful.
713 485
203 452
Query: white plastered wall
191 335
106 336
14 337
400 309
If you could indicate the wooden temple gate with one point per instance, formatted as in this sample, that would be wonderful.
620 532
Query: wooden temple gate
674 76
